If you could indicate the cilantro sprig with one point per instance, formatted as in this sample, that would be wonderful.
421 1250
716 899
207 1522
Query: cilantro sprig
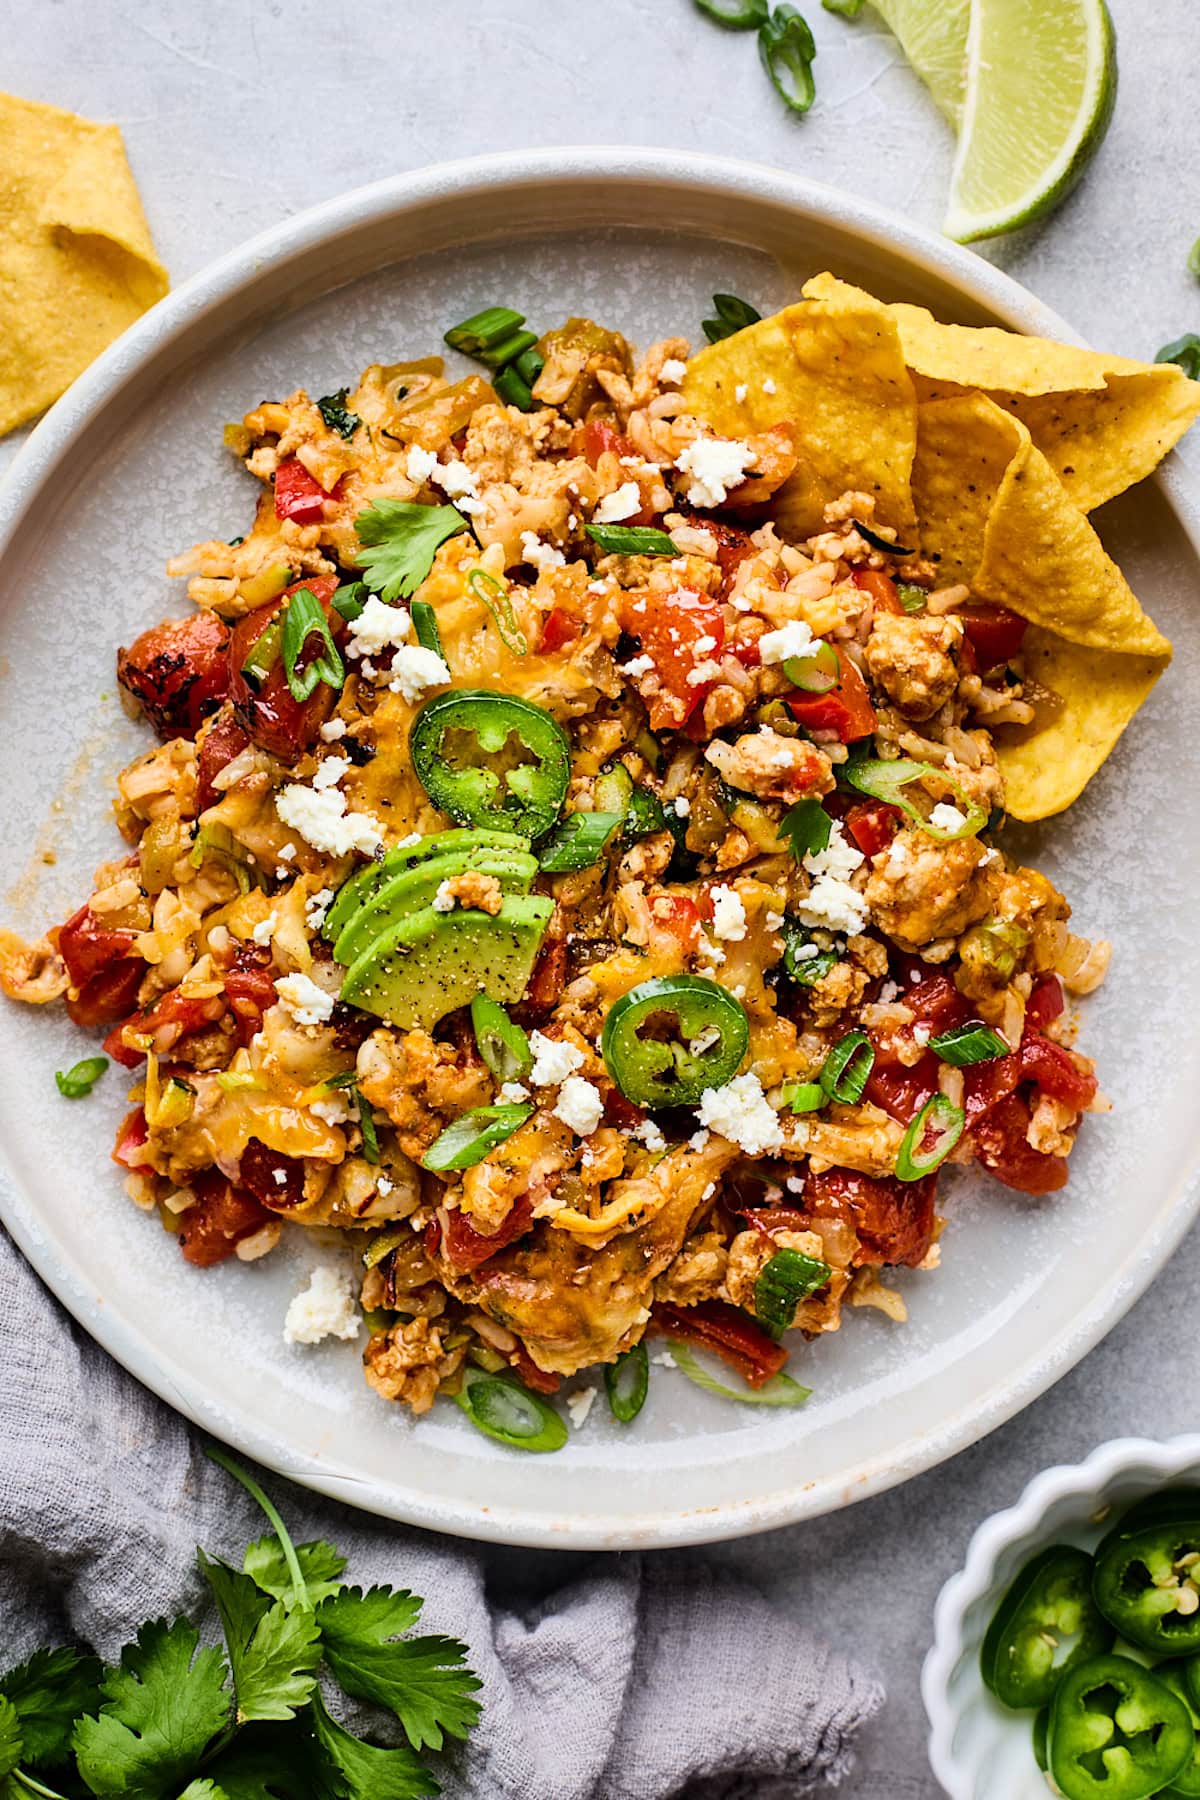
177 1720
399 540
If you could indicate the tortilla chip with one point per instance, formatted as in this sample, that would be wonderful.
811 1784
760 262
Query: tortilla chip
77 263
1102 422
1100 690
836 374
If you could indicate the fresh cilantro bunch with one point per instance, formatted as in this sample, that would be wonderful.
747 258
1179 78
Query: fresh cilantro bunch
177 1721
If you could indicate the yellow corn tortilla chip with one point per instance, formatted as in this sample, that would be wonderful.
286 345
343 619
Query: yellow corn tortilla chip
77 263
1100 690
1102 422
836 373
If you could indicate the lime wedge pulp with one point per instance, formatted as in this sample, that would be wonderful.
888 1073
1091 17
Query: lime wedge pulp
933 37
1041 81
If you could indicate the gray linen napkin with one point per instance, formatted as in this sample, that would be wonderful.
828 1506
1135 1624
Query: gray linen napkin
639 1678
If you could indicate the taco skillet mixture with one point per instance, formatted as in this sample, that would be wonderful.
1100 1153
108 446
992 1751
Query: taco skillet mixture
568 862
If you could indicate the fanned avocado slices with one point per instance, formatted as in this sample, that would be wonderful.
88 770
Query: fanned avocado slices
362 886
430 963
414 888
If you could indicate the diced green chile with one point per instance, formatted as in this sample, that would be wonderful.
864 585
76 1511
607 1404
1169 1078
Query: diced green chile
648 1033
528 796
469 1139
1116 1733
578 841
887 781
501 1042
502 1409
425 626
788 1278
495 596
1046 1625
1140 1581
627 1382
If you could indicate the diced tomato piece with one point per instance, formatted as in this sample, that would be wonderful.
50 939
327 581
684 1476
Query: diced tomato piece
936 1002
680 915
1045 1003
131 1138
108 996
467 1249
298 495
560 629
741 1343
873 824
845 709
171 1018
881 588
893 1219
222 742
733 547
1003 1148
178 671
220 1218
1055 1071
87 946
596 437
548 979
993 632
621 1112
284 726
539 1380
249 988
902 1090
259 1172
669 627
986 1084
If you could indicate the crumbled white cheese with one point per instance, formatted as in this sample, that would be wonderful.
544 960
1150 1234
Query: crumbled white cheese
538 555
703 645
773 921
648 1133
325 1308
637 666
714 465
703 673
741 1112
332 730
264 931
740 392
414 668
406 843
287 853
512 1093
699 1141
579 1405
898 855
947 817
336 1110
444 901
553 1060
420 464
321 819
579 1105
839 858
664 1360
888 992
330 771
673 370
922 1033
383 1185
378 627
768 385
681 806
622 504
834 905
307 1003
316 906
792 639
456 480
729 915
279 1177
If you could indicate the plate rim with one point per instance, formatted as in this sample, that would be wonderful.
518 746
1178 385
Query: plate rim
32 473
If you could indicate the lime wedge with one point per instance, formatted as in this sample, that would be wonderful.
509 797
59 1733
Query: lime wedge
1041 84
933 37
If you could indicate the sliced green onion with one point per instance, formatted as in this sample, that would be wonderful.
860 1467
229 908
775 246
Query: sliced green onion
513 389
216 843
973 1042
736 15
846 1068
483 329
733 315
807 970
507 349
529 366
1186 352
807 828
887 781
472 1136
504 1410
578 842
632 540
846 9
930 1138
805 1096
303 621
786 49
383 1243
613 789
495 596
425 627
877 542
788 1278
816 673
912 598
350 599
1002 943
333 410
79 1080
263 653
236 1081
780 1390
370 1137
627 1382
501 1042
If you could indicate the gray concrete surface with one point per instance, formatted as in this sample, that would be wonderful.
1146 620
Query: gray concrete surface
237 114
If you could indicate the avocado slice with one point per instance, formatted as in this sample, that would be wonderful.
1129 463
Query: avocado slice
414 888
365 883
433 962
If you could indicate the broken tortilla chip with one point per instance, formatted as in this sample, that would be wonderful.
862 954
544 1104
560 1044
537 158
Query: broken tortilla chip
77 263
834 372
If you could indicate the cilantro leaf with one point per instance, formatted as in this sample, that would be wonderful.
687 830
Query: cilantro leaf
10 1737
203 1789
807 828
50 1691
333 410
320 1564
267 1762
424 1681
352 1770
400 539
160 1710
273 1653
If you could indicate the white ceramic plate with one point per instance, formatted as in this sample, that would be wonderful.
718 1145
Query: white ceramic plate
128 469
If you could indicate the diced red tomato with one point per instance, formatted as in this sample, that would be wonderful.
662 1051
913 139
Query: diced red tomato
741 1343
936 1002
619 1111
669 626
899 1089
597 436
873 824
1055 1071
221 1217
560 629
284 726
108 996
171 1018
548 979
680 915
881 588
893 1219
1003 1149
845 709
733 547
298 495
986 1084
222 742
88 946
1045 1003
249 988
178 671
538 1379
258 1173
467 1249
993 632
131 1138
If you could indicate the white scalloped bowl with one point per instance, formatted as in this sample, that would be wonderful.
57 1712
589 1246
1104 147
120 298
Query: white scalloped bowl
979 1750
